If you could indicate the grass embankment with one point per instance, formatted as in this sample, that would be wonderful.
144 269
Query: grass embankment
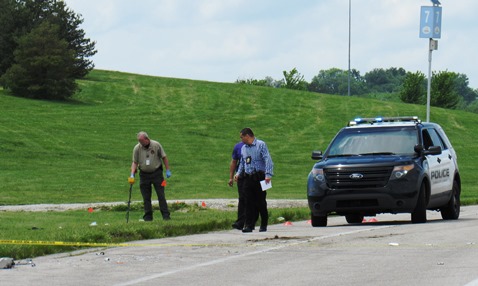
80 151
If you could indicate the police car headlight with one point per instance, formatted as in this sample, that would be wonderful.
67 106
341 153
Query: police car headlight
318 175
401 171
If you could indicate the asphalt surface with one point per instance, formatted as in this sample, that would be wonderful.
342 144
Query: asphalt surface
390 251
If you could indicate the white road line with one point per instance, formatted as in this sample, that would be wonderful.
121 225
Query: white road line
221 260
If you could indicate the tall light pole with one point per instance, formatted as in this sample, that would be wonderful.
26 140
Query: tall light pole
350 17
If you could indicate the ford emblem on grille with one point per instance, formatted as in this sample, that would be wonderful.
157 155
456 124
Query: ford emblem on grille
356 176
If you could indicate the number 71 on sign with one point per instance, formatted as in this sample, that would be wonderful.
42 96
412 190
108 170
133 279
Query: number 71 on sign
430 22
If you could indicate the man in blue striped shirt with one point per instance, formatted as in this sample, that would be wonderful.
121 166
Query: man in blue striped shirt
256 164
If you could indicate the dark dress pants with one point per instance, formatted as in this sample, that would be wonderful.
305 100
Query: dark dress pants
241 206
147 181
255 201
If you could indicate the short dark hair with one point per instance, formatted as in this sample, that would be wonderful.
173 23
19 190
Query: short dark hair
247 131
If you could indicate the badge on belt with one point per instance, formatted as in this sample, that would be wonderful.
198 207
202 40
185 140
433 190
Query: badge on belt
248 160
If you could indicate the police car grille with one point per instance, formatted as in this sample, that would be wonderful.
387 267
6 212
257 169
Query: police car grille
344 178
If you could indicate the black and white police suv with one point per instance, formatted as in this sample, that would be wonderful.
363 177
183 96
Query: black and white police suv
385 165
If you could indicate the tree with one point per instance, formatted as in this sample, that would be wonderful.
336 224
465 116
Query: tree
462 88
267 81
294 80
381 80
8 27
274 83
443 90
472 107
413 90
44 66
22 16
335 81
331 81
70 30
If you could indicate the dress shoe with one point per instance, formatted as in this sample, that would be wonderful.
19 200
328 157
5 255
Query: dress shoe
236 226
263 228
247 229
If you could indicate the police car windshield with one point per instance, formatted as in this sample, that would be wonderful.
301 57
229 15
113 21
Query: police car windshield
374 141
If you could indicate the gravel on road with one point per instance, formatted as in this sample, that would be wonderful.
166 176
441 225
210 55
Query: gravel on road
221 204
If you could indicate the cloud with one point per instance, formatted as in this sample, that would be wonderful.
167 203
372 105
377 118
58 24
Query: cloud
219 40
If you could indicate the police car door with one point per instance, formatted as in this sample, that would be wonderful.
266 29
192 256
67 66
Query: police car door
440 165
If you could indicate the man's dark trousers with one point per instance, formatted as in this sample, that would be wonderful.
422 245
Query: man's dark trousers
255 200
147 180
241 206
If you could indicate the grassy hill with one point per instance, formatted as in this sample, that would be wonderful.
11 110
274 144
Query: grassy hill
80 151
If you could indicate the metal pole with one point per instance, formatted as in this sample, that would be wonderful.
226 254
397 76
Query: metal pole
350 16
129 202
430 50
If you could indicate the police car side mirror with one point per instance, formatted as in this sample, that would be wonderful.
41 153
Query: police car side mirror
316 155
433 150
418 148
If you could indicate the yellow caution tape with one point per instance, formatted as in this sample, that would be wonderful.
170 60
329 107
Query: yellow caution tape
96 244
61 243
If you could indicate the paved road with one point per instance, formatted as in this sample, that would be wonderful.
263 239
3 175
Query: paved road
391 251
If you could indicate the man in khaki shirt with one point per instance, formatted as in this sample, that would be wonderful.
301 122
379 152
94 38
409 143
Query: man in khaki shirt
149 157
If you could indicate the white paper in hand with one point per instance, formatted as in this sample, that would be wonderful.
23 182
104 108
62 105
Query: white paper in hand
266 186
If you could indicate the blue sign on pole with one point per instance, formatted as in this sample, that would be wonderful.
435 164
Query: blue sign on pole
430 22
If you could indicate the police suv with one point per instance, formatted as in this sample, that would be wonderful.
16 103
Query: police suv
385 165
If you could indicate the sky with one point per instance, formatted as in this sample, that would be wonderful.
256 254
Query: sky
227 40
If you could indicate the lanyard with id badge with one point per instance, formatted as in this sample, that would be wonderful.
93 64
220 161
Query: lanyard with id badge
148 161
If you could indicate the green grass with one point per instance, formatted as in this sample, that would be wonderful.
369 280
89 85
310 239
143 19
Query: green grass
80 151
75 227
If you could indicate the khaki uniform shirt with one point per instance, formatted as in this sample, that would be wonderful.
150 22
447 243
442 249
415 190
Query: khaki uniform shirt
148 159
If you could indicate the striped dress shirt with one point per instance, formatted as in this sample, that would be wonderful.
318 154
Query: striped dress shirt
255 158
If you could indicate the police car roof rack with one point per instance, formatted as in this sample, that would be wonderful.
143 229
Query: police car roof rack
374 120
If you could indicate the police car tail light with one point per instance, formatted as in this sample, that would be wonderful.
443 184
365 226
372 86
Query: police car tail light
401 171
318 175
